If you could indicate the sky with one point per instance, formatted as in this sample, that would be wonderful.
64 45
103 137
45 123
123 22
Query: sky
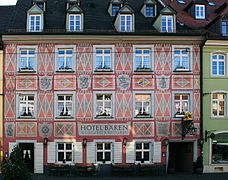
8 2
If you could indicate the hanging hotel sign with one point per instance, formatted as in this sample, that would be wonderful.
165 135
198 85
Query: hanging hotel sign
104 129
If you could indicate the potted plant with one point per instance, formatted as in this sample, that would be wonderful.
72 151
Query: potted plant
187 116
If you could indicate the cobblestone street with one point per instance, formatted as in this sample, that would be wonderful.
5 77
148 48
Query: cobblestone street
220 176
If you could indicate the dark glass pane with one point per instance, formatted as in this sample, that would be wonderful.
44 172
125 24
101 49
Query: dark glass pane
146 156
99 156
138 145
107 146
107 156
60 156
138 156
68 156
60 146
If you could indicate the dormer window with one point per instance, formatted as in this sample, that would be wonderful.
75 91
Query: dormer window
115 8
167 23
200 11
149 10
35 19
126 23
74 21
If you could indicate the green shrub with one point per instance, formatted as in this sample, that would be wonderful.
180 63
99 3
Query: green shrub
14 168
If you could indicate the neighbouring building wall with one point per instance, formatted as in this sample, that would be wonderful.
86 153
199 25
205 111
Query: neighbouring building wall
215 117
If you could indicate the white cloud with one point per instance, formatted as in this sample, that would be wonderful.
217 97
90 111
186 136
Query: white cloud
8 2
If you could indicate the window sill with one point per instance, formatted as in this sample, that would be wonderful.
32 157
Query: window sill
102 70
179 116
143 71
64 117
143 116
65 71
219 118
26 71
181 70
26 117
103 117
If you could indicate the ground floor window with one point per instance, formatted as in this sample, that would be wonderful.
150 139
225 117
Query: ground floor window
143 152
219 153
104 152
65 152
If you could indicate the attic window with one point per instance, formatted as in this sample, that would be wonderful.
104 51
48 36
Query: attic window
211 4
224 27
115 9
200 11
167 23
149 10
34 23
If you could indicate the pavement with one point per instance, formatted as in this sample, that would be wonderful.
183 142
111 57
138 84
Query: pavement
218 176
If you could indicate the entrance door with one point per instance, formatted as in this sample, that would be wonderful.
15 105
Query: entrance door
27 153
180 157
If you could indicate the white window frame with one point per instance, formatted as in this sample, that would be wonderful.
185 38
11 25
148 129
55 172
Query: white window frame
19 94
65 151
26 48
144 150
190 56
75 22
200 11
190 103
150 55
67 47
151 93
217 62
35 25
103 47
217 100
96 117
166 21
125 27
67 93
103 151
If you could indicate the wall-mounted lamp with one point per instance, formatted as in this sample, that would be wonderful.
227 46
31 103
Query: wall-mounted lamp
165 142
84 141
209 134
200 141
124 141
45 141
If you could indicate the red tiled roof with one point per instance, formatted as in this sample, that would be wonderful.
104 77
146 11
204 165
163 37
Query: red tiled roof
184 17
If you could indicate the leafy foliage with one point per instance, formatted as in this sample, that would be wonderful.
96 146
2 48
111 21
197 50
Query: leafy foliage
14 167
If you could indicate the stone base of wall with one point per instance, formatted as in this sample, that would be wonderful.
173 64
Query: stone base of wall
215 169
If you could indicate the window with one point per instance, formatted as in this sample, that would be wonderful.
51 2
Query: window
200 11
181 104
167 23
218 104
65 59
65 105
142 59
224 27
143 152
75 22
115 8
142 105
150 10
65 153
34 23
104 105
27 59
126 23
181 59
103 59
26 105
220 149
104 152
218 65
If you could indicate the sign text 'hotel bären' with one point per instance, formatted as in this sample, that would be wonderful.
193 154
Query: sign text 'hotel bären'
103 129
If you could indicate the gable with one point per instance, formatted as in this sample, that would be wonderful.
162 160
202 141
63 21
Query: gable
126 9
35 10
167 10
75 9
